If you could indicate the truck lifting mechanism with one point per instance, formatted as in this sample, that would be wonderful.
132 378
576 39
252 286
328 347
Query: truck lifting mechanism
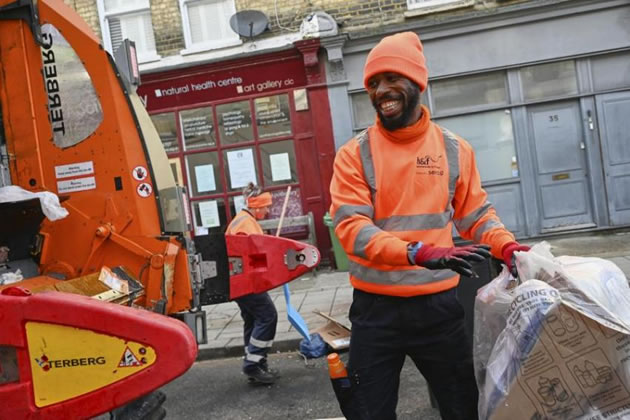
71 124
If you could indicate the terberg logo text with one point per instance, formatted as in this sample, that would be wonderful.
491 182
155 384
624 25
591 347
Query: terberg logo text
429 165
47 364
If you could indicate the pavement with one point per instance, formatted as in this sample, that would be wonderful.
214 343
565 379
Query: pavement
330 292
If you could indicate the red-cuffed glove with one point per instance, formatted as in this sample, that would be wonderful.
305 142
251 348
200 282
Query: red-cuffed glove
508 255
457 258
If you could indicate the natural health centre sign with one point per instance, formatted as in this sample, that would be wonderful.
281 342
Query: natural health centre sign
184 89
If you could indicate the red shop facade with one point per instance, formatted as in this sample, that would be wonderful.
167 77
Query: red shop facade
263 118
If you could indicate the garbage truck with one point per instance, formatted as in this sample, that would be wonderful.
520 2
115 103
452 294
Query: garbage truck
71 125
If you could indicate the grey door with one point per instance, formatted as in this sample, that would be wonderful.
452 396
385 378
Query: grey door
563 190
613 113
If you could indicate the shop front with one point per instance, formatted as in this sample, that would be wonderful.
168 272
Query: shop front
548 121
262 119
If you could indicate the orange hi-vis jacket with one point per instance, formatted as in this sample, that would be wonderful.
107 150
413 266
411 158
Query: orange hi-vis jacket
244 223
390 188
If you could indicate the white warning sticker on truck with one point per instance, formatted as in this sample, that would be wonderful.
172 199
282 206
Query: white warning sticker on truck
74 169
74 185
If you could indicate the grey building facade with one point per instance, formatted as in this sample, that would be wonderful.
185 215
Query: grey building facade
541 90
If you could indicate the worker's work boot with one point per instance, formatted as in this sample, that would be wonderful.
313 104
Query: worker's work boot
261 374
266 367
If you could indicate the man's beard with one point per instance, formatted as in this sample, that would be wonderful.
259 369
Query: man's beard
409 105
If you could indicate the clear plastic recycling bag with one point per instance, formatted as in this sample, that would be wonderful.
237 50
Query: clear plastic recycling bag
556 343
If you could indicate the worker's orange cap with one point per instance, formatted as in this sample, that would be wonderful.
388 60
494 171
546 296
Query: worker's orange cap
400 53
262 200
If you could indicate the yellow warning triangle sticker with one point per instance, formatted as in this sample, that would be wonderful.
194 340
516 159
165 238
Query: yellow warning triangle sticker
129 359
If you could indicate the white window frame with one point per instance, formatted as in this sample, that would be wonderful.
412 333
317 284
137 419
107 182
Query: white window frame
191 47
143 56
423 4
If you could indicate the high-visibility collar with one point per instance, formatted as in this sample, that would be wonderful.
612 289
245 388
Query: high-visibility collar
409 133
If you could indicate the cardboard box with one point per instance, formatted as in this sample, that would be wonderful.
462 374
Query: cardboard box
574 368
335 334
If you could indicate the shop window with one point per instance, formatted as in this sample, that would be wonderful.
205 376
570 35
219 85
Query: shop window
197 128
611 71
549 80
167 130
204 173
294 208
237 203
121 19
81 113
221 153
469 92
206 24
235 123
209 216
278 163
492 138
240 168
273 116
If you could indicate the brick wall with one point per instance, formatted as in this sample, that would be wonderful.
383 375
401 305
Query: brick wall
352 15
167 27
88 11
165 15
284 16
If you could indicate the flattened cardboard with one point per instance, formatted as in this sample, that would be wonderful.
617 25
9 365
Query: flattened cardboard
335 334
577 369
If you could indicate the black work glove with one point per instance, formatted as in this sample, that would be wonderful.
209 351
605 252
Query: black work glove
457 258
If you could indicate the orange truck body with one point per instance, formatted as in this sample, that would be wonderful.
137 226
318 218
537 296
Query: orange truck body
111 223
72 124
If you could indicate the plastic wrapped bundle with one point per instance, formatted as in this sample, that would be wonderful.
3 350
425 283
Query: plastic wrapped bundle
557 344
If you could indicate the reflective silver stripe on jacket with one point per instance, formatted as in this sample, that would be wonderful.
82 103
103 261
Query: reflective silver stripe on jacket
452 155
416 222
348 210
398 277
486 226
368 163
465 223
363 238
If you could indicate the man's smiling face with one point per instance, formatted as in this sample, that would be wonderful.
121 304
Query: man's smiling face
395 99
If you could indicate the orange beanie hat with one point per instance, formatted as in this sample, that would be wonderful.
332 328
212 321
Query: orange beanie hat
262 200
400 53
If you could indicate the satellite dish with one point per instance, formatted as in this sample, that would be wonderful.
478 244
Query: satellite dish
249 23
